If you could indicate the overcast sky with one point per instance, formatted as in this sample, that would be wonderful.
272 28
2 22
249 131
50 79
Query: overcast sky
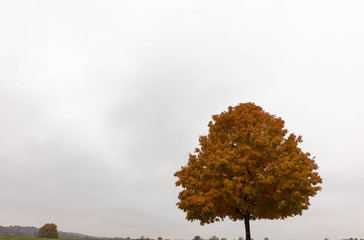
101 102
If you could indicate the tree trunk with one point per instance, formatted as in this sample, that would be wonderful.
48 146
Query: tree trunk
247 227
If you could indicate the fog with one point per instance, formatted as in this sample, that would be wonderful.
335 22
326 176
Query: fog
101 102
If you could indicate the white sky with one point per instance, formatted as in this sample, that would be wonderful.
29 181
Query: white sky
101 102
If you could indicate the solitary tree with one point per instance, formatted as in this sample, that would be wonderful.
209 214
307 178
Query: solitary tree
49 230
247 168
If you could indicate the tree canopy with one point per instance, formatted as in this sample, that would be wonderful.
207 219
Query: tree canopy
247 168
49 230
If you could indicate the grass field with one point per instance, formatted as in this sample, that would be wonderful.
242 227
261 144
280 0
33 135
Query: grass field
26 238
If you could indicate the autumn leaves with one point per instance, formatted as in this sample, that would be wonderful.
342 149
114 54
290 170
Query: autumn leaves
247 168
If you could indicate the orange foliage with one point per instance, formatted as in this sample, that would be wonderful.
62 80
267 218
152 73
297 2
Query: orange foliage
247 167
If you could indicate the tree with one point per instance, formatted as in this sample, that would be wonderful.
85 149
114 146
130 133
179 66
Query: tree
247 168
49 230
214 238
197 238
